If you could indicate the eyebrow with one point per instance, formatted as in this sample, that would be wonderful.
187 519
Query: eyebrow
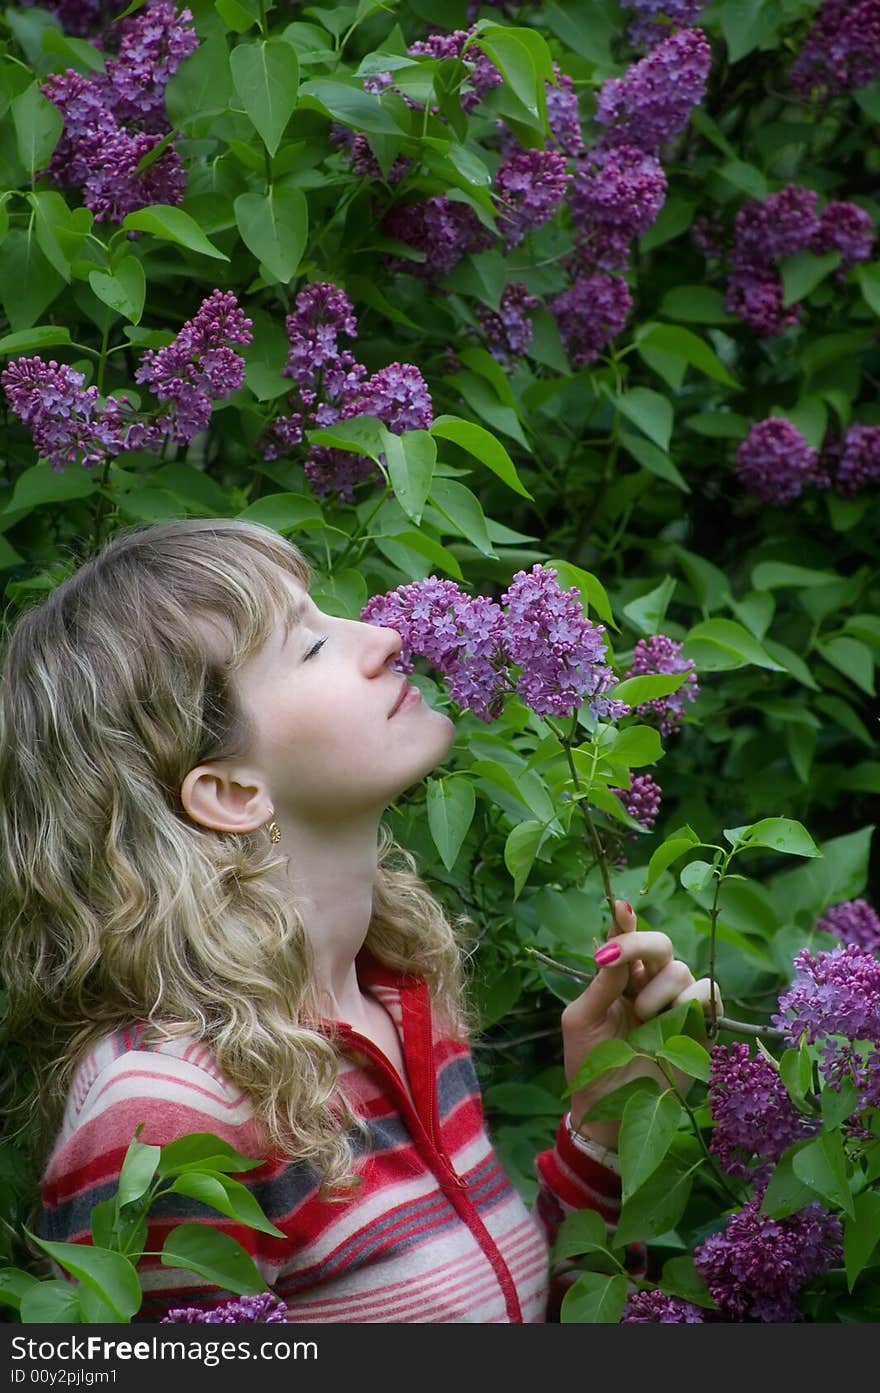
299 609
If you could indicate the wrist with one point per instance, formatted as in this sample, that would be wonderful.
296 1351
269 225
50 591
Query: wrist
587 1141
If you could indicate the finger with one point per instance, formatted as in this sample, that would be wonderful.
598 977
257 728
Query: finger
624 920
654 950
590 1007
701 991
665 988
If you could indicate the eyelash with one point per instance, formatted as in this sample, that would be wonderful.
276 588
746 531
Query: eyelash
312 651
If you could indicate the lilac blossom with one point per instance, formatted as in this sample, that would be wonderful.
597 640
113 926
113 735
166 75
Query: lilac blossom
774 462
444 229
113 187
399 396
757 1267
590 314
361 158
757 296
752 1111
530 185
649 25
707 235
69 423
656 1308
561 653
616 194
199 367
852 461
509 332
765 231
321 313
483 75
834 1002
853 921
79 18
641 800
153 44
841 51
662 654
847 228
262 1309
653 101
461 636
563 116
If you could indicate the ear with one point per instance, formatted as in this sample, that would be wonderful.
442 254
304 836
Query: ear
226 799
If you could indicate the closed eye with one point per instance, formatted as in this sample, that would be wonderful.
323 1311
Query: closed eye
314 649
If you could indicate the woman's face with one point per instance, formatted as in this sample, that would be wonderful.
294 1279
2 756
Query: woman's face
321 697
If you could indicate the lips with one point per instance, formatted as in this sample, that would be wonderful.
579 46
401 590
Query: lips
404 688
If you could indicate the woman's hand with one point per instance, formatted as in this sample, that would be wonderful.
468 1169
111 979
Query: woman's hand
643 978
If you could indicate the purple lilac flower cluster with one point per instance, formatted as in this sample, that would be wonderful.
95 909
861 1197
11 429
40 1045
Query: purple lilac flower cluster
112 119
781 225
841 51
79 18
652 102
473 643
590 313
662 654
654 18
530 185
853 460
641 800
444 229
199 367
263 1309
753 1114
509 332
483 73
853 921
616 195
757 1267
68 421
835 1001
656 1308
331 385
563 116
774 462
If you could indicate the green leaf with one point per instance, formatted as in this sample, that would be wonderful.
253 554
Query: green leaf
594 1299
687 1055
838 1104
646 1133
681 1278
41 336
649 411
786 1194
209 1253
593 593
745 24
364 435
861 1233
684 344
265 74
802 273
123 290
204 1151
780 833
822 1166
854 659
720 425
52 1302
202 85
648 612
450 805
696 876
520 849
13 1285
696 304
584 1231
796 1071
40 484
868 277
76 52
138 1169
634 746
775 575
608 1054
109 1274
462 508
38 127
351 106
523 66
656 461
172 225
636 690
275 227
722 643
675 845
483 446
657 1206
410 459
522 1100
228 1195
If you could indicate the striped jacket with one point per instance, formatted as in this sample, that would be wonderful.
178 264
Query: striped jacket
436 1233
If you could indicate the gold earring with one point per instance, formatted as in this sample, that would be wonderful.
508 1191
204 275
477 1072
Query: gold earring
274 829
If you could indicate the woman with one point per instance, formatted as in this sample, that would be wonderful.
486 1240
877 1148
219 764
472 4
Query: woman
175 708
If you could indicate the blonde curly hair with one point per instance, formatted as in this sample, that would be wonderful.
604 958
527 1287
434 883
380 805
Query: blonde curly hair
115 906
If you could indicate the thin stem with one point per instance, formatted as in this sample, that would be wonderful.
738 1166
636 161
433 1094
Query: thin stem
560 967
713 942
667 1074
518 1040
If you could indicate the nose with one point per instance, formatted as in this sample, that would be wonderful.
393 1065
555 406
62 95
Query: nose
384 645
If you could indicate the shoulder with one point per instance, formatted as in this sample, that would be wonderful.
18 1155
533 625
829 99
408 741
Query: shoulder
172 1078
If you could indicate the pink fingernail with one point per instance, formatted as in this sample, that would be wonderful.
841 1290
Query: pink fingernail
609 954
628 906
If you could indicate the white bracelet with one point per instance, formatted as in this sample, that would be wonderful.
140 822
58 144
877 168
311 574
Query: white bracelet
604 1155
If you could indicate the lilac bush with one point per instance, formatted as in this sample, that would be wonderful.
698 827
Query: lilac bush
853 921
